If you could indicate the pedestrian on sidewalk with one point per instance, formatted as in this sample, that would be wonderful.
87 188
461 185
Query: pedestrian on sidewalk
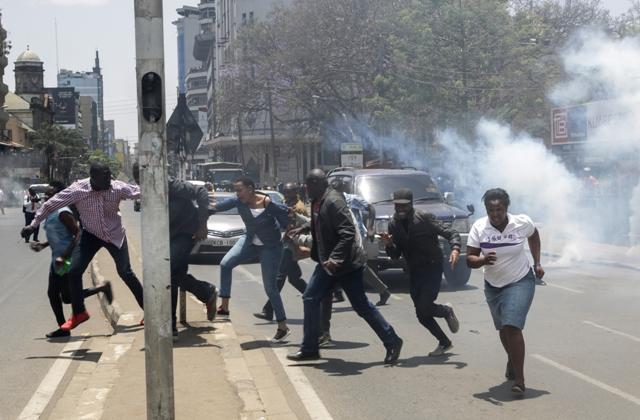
3 199
30 206
337 249
289 267
496 243
413 234
63 235
187 225
264 221
97 200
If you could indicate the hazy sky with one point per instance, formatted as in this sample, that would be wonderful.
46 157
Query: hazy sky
106 25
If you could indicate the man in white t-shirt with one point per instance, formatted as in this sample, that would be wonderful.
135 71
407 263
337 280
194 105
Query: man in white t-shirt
496 243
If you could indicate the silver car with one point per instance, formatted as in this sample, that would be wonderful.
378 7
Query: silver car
226 227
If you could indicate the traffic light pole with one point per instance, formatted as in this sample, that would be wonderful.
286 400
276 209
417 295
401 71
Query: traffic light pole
155 213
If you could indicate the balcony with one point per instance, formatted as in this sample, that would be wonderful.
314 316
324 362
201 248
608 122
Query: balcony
202 46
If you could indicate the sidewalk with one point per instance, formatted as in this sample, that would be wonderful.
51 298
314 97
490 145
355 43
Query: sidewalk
213 376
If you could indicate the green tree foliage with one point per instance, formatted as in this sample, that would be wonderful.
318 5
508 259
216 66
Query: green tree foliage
61 147
412 65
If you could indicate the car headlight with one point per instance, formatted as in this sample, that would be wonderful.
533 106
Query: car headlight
382 225
461 225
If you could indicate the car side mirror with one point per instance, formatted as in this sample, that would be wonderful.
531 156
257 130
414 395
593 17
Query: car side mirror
471 209
449 198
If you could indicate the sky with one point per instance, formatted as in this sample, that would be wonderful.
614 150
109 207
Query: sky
108 26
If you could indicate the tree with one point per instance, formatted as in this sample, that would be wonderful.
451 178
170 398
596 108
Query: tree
81 166
61 147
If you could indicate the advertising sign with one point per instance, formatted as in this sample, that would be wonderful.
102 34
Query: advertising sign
576 124
351 155
64 105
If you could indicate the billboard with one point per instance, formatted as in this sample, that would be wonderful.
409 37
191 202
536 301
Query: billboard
64 105
575 124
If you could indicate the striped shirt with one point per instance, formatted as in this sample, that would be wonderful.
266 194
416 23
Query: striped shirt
99 210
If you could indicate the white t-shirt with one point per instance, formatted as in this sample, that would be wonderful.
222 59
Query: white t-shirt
255 213
512 262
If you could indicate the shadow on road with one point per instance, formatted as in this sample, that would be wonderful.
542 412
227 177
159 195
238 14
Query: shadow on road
339 367
191 337
499 394
81 355
426 360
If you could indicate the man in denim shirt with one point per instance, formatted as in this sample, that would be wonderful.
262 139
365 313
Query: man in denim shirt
264 220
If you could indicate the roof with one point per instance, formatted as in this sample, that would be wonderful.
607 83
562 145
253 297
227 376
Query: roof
380 171
15 102
28 56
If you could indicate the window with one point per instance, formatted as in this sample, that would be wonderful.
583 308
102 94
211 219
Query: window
244 18
251 18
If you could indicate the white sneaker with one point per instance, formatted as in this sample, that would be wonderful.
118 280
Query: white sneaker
441 350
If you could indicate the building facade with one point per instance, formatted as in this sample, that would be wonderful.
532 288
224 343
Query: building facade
188 28
89 84
29 73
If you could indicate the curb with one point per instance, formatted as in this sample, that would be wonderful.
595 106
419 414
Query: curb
111 311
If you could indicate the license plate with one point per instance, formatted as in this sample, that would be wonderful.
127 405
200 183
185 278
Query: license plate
221 242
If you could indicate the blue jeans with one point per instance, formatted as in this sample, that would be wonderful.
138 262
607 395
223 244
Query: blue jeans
269 257
320 285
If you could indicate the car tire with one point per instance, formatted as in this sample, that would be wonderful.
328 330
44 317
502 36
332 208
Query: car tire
460 276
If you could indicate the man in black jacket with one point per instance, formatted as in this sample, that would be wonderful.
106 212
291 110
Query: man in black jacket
414 235
341 259
187 225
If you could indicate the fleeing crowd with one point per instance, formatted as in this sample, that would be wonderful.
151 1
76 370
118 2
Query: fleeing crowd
84 217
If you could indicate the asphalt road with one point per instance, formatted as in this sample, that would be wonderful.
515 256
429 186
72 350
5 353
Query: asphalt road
582 339
26 356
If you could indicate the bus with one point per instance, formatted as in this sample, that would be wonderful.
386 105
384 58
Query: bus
220 174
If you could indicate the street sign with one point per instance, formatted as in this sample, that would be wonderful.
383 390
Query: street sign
351 155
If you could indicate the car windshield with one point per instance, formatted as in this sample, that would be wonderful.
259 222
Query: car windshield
380 188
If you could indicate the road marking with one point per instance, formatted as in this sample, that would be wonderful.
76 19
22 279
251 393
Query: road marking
312 403
310 399
588 379
49 384
568 289
611 330
252 277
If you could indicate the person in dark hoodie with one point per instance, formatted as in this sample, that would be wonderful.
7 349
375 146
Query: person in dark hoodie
187 225
337 248
413 234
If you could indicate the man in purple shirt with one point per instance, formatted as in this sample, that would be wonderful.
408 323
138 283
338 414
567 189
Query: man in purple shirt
97 199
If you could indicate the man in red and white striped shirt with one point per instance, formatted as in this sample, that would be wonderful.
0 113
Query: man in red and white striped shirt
97 199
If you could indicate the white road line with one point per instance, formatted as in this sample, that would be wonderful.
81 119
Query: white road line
312 403
611 330
49 384
310 399
588 379
249 274
568 289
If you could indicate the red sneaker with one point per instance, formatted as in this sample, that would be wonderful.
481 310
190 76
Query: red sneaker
75 320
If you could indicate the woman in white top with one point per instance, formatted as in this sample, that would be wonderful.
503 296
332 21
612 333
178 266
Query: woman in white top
30 206
496 242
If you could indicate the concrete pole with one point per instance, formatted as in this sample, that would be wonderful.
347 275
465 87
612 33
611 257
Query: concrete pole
155 220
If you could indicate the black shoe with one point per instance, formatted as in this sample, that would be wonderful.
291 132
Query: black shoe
108 291
393 352
262 315
338 297
281 334
58 333
384 297
301 356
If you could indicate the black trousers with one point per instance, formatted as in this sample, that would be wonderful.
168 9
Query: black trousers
425 286
180 249
82 255
59 292
28 218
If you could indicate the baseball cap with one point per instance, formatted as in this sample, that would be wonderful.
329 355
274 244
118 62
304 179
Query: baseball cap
403 196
